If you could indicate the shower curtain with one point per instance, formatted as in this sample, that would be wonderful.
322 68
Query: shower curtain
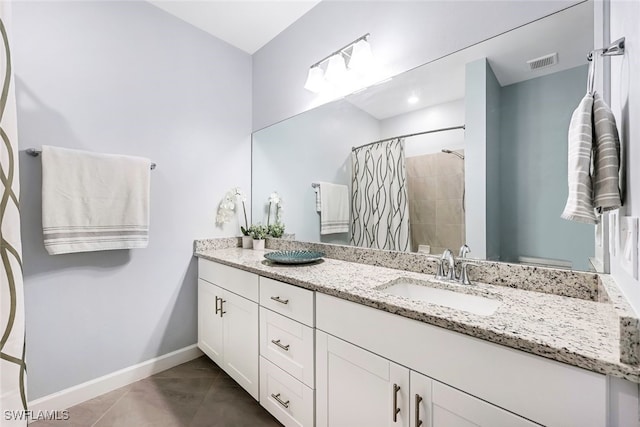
13 400
379 206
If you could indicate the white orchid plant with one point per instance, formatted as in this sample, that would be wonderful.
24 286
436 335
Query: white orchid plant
277 229
228 206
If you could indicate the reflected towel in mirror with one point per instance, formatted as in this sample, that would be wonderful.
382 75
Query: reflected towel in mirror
332 202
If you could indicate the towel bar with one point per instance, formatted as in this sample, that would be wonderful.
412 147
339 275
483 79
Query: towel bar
614 49
35 153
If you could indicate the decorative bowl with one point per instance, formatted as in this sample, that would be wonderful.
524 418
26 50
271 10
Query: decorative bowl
294 257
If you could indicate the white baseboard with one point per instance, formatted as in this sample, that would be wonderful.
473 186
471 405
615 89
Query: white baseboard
71 396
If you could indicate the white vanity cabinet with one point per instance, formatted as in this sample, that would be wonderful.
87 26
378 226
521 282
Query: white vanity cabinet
228 321
364 366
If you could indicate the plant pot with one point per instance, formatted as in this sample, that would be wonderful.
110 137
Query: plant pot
258 244
247 242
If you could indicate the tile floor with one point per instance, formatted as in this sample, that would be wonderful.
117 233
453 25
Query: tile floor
194 394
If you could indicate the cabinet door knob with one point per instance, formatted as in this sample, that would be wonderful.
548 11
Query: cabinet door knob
396 410
418 422
280 401
277 299
284 347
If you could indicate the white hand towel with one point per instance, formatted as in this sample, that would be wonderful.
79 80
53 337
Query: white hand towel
579 205
318 200
606 182
334 208
94 202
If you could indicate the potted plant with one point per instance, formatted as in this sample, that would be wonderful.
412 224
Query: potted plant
276 230
258 233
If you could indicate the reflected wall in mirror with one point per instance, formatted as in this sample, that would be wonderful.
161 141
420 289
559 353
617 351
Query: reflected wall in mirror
499 185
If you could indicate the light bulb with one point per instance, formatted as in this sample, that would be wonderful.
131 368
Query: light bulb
315 80
413 99
361 56
336 69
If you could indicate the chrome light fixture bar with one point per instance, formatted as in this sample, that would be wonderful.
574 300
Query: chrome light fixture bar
358 55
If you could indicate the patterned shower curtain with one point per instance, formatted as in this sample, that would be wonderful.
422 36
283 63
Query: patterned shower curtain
13 400
379 206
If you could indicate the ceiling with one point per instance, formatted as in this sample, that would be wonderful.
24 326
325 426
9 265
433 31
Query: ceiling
567 32
247 25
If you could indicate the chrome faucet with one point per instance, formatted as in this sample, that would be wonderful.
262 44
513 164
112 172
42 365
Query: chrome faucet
450 272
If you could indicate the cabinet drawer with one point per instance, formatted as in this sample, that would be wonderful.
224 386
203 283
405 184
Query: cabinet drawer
288 344
286 398
232 279
288 300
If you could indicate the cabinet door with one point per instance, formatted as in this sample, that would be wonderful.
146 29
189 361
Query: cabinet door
241 341
358 388
420 400
453 408
210 328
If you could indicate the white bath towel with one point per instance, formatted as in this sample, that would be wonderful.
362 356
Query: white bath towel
94 202
606 168
579 206
333 208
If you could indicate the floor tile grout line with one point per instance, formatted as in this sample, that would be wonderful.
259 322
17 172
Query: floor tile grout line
114 404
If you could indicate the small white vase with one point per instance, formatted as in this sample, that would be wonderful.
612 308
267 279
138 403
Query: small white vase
258 244
247 242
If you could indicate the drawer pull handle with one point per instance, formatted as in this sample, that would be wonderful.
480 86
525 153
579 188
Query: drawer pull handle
418 422
396 410
280 401
281 301
218 310
284 347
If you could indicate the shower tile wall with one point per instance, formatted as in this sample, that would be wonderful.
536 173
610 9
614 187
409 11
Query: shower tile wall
435 184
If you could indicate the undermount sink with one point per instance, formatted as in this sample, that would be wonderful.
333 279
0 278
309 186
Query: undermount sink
415 290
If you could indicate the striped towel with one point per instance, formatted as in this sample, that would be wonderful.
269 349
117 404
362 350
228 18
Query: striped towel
318 200
93 202
579 205
606 180
333 208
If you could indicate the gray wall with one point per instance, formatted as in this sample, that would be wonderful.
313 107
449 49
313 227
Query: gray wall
311 147
533 163
124 77
403 36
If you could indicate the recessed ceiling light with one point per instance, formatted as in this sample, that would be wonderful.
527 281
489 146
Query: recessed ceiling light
413 99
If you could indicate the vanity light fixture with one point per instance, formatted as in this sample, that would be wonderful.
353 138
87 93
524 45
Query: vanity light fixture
336 69
357 55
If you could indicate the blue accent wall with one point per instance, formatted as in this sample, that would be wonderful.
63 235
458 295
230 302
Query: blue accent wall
535 116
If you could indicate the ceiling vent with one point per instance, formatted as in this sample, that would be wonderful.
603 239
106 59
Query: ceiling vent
543 61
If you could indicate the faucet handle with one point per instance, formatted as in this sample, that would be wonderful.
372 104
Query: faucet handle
464 250
464 274
444 258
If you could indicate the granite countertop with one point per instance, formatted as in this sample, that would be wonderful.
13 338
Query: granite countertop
575 331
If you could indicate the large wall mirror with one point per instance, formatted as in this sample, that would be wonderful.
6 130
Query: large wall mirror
499 184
